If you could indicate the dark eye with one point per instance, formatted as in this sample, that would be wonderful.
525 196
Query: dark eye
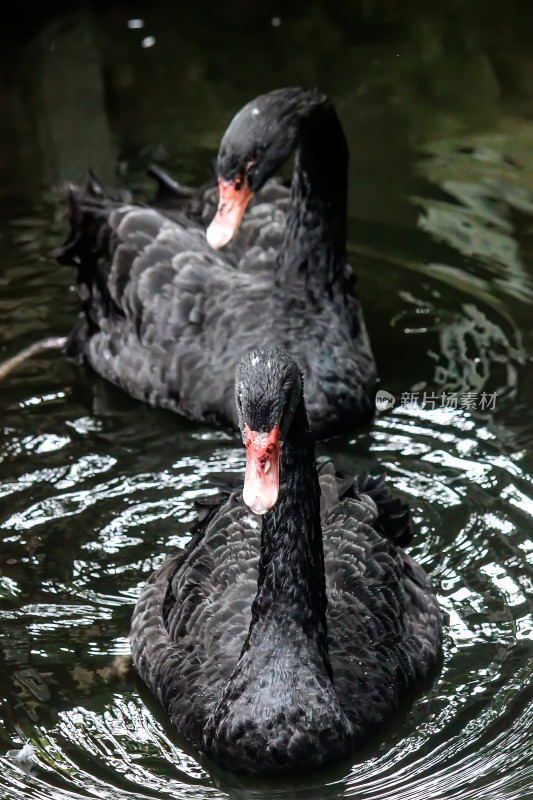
238 182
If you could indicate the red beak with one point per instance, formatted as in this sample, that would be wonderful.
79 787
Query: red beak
231 207
261 482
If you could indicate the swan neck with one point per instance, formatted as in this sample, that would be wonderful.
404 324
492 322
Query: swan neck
314 248
291 585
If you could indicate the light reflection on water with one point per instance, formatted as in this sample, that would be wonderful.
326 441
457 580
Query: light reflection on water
97 491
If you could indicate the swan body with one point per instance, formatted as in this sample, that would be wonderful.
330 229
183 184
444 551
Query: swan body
277 643
166 317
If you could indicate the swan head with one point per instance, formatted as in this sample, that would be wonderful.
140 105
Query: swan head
268 388
259 138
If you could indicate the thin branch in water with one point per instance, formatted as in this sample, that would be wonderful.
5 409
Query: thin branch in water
52 343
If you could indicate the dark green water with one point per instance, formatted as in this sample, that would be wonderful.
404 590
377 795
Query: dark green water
96 491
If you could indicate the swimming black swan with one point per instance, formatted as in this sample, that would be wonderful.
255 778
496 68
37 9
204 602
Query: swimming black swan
279 648
167 318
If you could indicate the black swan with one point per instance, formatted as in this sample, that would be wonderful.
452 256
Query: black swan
280 647
167 318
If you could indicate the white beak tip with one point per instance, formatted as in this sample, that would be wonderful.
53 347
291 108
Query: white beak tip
217 236
258 502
